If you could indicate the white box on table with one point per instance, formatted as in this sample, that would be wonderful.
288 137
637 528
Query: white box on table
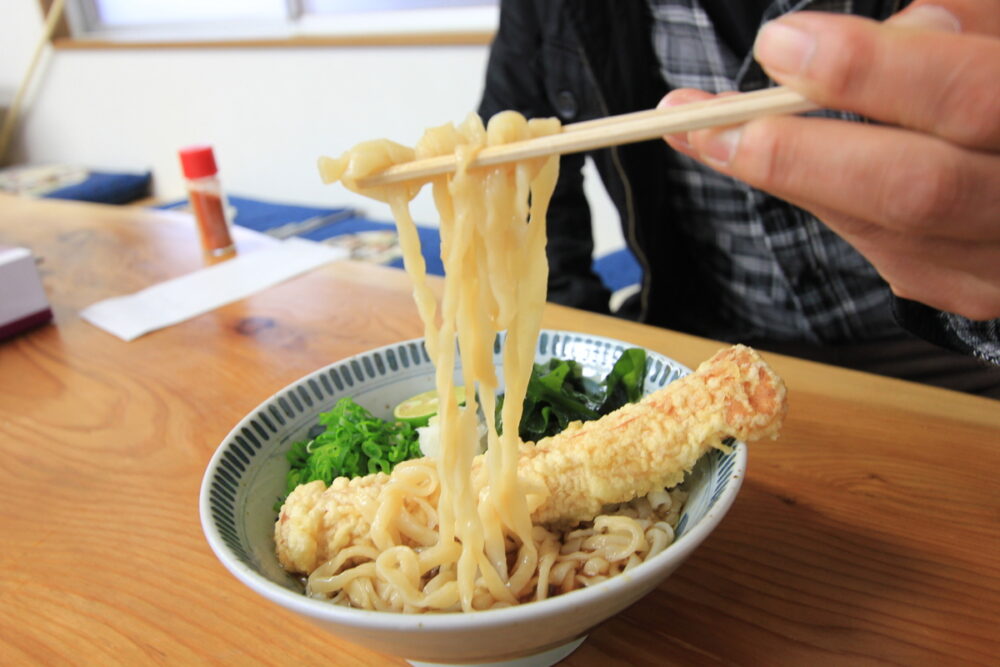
23 303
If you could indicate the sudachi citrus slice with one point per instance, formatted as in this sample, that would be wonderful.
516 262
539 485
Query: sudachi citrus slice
417 410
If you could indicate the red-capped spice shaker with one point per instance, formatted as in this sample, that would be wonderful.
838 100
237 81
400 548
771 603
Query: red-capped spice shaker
207 199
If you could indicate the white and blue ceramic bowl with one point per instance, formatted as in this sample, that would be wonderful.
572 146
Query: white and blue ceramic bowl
247 474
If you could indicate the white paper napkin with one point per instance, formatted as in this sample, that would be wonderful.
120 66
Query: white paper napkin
179 299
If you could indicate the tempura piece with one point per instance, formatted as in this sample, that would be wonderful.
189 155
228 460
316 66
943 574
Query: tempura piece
655 442
569 477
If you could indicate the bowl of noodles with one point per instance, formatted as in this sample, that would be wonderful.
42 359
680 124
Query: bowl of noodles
499 547
599 568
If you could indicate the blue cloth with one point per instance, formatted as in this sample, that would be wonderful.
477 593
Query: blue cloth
106 188
261 216
617 270
430 240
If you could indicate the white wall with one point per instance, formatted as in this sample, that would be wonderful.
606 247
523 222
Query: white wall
269 112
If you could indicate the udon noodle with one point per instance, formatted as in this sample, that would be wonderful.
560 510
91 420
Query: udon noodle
456 533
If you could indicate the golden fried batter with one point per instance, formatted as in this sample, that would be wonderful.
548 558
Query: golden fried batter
639 448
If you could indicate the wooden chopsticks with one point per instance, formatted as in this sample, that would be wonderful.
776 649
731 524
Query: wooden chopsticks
612 131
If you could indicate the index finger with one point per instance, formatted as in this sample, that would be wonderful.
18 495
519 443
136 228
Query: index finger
970 16
931 80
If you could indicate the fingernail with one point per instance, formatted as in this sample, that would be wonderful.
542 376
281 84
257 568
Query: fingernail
676 98
679 140
784 49
666 102
928 17
721 147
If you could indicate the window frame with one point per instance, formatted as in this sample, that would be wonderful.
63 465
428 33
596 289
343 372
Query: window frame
81 29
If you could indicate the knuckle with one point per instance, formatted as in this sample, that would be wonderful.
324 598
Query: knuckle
974 119
967 104
764 152
920 192
843 63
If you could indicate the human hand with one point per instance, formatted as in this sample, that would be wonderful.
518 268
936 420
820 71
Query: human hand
919 194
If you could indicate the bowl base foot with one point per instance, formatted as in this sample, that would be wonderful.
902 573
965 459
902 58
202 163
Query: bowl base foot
543 659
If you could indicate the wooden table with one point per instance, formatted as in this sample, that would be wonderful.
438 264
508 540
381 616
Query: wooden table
867 534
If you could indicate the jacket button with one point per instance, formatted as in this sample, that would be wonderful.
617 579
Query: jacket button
566 105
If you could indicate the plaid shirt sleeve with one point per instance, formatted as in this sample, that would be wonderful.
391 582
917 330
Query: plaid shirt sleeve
782 274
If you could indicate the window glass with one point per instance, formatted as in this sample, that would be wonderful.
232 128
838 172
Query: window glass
351 6
119 13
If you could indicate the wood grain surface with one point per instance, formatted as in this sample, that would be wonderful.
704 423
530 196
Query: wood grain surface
868 534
